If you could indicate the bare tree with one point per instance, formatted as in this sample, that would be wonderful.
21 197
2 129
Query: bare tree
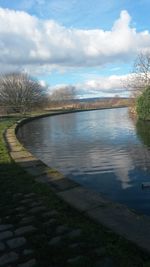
20 93
139 79
63 94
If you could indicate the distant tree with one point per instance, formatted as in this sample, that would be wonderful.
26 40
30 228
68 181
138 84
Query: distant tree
63 94
115 100
20 93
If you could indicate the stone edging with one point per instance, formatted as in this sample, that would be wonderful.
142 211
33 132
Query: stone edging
117 217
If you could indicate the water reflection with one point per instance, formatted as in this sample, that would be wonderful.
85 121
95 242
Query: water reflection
99 149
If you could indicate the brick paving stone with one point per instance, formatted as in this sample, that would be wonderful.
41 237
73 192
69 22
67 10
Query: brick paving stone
26 200
37 209
21 215
18 195
74 246
25 229
46 214
27 220
7 258
106 262
50 213
55 241
76 260
6 218
29 195
29 263
4 227
75 233
21 208
50 222
101 251
77 246
36 204
27 252
2 246
9 193
54 213
16 242
61 229
6 235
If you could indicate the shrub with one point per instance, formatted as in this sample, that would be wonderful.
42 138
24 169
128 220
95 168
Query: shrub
21 93
143 105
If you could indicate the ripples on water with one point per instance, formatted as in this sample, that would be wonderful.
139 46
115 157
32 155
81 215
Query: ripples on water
100 149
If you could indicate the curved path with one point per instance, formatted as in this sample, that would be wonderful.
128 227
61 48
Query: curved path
119 218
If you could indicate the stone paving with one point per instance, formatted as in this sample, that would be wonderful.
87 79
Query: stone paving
32 220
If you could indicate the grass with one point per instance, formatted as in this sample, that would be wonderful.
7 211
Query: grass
14 179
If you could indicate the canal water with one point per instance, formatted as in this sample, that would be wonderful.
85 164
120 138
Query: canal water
103 150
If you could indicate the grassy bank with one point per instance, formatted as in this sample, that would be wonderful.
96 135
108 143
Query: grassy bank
14 180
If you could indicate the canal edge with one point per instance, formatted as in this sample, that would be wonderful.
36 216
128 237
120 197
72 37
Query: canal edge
115 216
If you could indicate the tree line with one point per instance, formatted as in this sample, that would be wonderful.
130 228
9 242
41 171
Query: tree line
21 93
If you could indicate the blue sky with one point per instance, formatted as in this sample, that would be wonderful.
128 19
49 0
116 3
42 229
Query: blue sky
90 44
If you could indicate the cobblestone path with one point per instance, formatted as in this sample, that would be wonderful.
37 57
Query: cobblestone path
22 225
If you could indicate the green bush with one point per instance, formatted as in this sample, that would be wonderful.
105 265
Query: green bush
143 131
143 105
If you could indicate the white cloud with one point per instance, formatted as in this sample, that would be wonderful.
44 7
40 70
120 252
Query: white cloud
42 83
99 86
109 85
42 45
105 83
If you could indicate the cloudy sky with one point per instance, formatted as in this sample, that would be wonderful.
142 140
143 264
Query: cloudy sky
91 44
